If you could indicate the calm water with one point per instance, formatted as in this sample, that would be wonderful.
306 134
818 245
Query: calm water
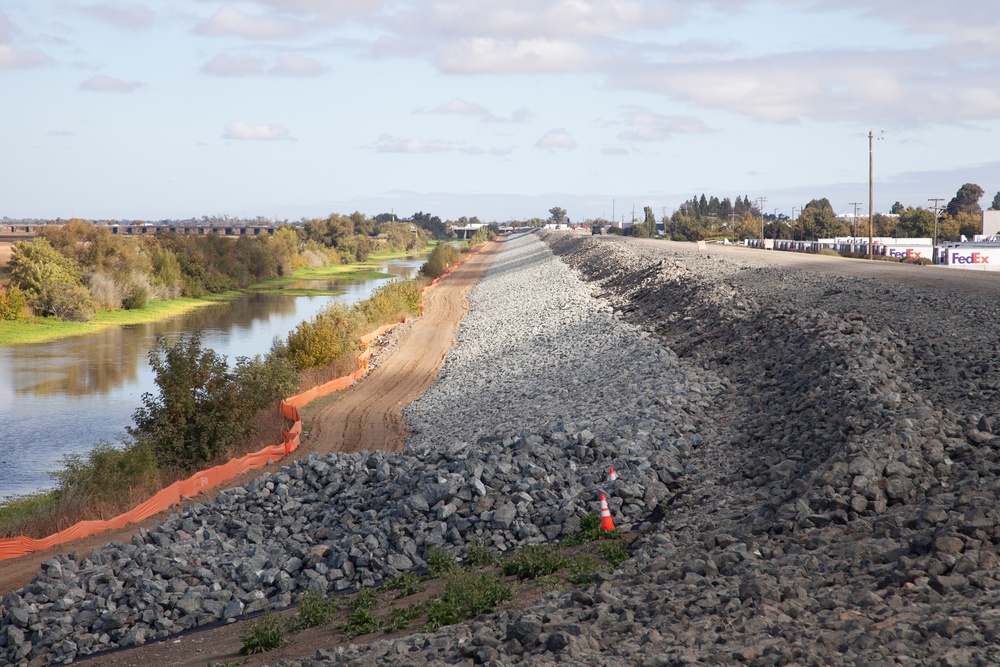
68 395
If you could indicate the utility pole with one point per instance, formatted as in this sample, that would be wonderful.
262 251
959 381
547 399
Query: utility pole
871 190
760 206
854 220
937 208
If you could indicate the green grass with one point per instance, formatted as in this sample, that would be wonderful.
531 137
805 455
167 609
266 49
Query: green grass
44 329
535 560
23 510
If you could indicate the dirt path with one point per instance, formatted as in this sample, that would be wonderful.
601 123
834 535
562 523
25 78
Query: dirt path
370 415
367 416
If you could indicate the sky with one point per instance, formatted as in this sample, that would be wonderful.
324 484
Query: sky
291 109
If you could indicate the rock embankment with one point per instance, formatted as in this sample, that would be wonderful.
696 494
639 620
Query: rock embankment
822 499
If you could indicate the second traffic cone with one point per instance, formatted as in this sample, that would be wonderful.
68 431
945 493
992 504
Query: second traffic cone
606 522
612 475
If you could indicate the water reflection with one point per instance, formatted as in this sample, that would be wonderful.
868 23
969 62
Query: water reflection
66 396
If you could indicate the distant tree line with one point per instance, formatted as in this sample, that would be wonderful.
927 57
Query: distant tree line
72 270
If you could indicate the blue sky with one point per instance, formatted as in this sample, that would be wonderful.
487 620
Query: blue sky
299 108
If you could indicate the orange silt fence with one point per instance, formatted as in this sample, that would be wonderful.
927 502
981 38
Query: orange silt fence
208 479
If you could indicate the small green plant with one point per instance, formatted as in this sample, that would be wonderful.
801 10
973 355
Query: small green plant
581 570
263 633
314 609
467 594
406 584
361 620
535 560
400 618
614 553
478 554
590 531
440 561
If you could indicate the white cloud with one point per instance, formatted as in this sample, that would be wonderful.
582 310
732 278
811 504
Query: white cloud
902 87
525 19
247 132
613 150
557 139
487 55
241 64
230 21
649 126
389 144
107 84
129 16
294 65
460 107
7 29
11 58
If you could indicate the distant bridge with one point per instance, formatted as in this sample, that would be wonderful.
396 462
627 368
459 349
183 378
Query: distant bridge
138 230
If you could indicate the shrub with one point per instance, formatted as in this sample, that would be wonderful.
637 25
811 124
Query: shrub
108 476
467 594
315 609
13 303
105 291
204 410
52 283
137 297
261 634
590 530
406 584
442 257
328 336
478 554
614 553
361 620
390 302
440 562
535 560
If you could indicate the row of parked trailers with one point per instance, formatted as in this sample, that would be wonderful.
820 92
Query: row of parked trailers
980 255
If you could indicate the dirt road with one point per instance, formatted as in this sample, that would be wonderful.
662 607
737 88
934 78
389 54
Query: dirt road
367 416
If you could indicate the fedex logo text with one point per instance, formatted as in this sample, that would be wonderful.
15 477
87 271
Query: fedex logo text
909 253
972 258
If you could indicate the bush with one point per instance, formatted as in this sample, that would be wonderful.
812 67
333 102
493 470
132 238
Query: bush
261 634
204 410
467 594
440 562
137 298
13 303
315 609
535 560
108 476
330 335
440 259
390 302
52 283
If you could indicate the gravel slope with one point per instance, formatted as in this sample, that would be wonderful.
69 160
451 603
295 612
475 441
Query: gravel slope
824 465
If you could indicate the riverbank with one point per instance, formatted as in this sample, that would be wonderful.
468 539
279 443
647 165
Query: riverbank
45 329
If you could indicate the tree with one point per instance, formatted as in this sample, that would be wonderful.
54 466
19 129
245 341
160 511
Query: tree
995 206
820 221
52 282
896 209
558 215
966 200
646 228
204 410
916 222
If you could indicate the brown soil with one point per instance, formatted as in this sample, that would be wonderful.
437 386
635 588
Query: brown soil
367 416
6 251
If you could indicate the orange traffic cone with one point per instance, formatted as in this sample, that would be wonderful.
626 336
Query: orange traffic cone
612 475
606 522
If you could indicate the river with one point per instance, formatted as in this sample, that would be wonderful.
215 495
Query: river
66 396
